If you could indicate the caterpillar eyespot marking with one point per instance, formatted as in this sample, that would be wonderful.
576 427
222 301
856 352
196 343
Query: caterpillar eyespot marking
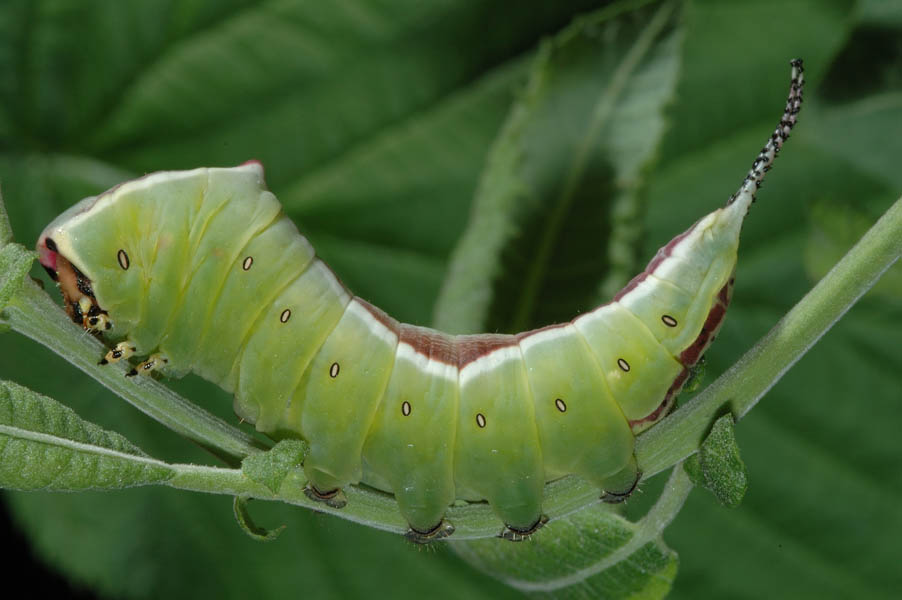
122 257
218 322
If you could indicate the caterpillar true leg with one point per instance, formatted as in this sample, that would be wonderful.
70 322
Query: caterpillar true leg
154 362
121 351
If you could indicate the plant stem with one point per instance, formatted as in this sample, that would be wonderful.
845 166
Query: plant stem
34 314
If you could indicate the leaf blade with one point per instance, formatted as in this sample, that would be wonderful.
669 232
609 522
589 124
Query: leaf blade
545 170
46 446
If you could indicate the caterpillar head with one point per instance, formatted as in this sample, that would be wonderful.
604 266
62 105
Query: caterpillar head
76 287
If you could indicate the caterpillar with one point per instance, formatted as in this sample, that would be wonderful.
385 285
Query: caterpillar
201 271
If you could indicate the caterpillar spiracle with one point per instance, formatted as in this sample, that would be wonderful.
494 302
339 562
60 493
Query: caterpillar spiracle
202 271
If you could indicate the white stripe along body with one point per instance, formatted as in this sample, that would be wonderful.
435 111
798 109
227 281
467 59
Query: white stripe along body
202 270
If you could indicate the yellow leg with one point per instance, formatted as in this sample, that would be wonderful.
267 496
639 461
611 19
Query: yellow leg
154 362
120 351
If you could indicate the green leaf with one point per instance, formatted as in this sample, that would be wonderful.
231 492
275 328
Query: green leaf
593 553
46 446
852 130
835 227
566 166
578 557
15 261
6 232
717 466
272 467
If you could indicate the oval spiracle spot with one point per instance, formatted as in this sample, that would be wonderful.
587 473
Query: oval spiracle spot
122 257
333 370
624 366
561 405
405 408
669 321
286 314
248 262
480 420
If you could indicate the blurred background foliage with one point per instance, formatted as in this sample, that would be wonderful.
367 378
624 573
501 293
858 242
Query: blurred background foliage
374 120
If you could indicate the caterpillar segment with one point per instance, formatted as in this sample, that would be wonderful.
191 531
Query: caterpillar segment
201 271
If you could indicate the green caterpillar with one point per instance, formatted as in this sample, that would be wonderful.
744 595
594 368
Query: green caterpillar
201 271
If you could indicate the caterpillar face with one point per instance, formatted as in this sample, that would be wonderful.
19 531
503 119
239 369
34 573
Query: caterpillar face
78 295
201 271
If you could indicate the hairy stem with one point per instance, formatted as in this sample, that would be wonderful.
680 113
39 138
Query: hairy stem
34 314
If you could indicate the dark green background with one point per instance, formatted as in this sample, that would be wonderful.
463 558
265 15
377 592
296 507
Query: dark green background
373 120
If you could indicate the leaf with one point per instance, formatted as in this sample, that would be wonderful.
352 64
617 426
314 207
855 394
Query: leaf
46 446
852 130
6 232
578 557
272 467
717 466
593 553
835 227
15 261
566 168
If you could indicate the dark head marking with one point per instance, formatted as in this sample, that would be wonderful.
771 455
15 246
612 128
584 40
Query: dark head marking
51 272
51 245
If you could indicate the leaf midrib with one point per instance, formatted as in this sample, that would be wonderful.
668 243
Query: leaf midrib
601 114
